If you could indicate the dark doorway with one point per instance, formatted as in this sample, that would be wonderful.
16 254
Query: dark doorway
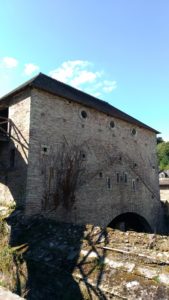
3 120
130 221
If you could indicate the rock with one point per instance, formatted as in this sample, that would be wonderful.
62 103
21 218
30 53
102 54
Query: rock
152 241
132 284
101 239
147 272
62 257
164 278
7 295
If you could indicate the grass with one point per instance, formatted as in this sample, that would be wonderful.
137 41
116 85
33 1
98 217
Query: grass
156 279
6 259
6 254
11 262
99 264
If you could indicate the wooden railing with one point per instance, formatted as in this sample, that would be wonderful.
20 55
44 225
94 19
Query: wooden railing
9 130
5 127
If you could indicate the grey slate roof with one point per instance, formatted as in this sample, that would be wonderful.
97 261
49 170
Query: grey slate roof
48 84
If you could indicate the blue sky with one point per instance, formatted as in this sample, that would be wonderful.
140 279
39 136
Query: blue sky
117 50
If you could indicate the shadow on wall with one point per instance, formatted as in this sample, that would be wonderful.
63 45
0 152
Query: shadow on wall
50 252
13 173
45 273
165 206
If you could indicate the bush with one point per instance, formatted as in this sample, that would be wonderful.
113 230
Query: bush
163 155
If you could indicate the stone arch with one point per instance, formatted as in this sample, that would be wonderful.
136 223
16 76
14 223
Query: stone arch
130 221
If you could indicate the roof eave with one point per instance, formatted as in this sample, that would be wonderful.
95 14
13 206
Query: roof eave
18 89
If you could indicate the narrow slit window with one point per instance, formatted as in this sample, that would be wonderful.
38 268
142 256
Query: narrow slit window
133 185
125 178
100 175
108 183
83 155
45 149
117 177
12 158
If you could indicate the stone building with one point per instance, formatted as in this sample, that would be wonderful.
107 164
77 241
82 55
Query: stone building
164 187
78 159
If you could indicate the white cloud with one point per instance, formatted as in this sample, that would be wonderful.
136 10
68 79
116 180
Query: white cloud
80 74
69 70
9 62
84 77
97 94
109 86
11 74
30 69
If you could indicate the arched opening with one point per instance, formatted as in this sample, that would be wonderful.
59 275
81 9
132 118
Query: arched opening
130 221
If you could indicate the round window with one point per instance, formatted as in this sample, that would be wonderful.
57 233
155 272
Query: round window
84 114
133 131
112 124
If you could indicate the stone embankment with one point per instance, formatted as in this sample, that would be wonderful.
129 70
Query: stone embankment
66 261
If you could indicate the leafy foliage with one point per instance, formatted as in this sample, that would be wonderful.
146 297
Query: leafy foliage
163 155
159 140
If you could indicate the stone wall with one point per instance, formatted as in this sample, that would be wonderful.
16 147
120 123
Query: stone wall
164 189
109 148
164 194
14 154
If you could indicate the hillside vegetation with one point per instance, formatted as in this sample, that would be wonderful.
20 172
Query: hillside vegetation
163 154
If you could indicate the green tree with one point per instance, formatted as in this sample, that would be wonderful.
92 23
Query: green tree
163 155
159 140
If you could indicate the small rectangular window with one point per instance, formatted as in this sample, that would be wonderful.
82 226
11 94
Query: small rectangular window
100 175
45 149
